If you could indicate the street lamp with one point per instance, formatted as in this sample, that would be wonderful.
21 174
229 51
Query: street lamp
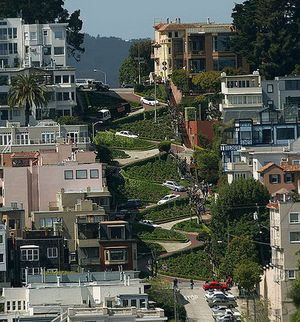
101 71
93 128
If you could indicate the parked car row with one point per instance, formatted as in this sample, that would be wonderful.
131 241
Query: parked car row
91 84
222 303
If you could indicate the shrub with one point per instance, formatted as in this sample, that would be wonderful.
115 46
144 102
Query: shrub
154 170
193 264
146 191
119 154
164 146
168 214
145 232
192 226
112 140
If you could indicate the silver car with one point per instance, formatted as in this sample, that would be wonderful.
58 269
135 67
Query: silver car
173 186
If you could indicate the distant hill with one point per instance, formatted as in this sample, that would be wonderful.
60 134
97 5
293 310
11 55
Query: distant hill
105 53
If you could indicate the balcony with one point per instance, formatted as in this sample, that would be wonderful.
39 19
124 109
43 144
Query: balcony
238 167
241 90
83 243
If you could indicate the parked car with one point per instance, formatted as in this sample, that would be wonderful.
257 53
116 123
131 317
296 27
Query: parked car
222 301
215 285
127 85
99 86
228 318
215 293
167 198
132 204
84 83
127 134
148 223
148 100
173 186
104 115
221 311
221 296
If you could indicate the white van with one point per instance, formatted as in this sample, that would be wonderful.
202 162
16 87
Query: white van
84 83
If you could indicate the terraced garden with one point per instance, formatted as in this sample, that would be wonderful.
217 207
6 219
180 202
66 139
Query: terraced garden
191 264
115 141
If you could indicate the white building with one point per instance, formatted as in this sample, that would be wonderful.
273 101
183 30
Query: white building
43 47
284 267
122 299
242 96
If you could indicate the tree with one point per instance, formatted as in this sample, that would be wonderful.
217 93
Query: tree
267 35
239 249
180 78
208 165
233 210
247 275
26 91
47 11
138 63
208 81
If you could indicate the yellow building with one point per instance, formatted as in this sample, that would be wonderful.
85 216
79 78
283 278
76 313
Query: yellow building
195 47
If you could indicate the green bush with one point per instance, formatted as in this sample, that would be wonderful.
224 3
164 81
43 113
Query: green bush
145 232
164 146
154 170
194 264
149 129
119 154
192 226
167 214
145 247
146 191
116 141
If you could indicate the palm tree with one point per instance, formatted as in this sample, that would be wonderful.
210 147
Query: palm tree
26 91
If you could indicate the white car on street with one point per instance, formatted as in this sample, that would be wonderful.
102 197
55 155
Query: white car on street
127 134
167 198
173 185
148 100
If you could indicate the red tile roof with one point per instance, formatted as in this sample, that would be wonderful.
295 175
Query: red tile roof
267 167
272 205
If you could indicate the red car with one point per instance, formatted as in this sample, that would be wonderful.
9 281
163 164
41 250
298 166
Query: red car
214 285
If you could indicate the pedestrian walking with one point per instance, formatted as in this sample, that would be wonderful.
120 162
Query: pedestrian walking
192 283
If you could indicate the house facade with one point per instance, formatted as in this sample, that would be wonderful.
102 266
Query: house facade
196 47
38 48
284 267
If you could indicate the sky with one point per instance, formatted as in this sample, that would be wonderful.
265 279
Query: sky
134 19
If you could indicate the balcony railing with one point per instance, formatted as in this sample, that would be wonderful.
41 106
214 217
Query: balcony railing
83 140
90 261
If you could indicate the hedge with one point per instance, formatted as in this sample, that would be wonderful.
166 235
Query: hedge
121 142
154 170
192 226
191 264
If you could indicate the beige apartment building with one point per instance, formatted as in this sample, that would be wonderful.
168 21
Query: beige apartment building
196 47
284 267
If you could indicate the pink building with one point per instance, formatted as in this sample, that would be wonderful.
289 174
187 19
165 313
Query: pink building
34 187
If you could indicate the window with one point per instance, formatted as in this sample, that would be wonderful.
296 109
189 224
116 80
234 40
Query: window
59 50
94 173
65 79
66 96
125 303
57 79
270 88
1 239
48 137
1 258
33 35
58 34
296 162
117 232
291 274
289 178
19 305
118 255
274 178
45 32
169 34
176 34
8 307
81 174
133 303
47 50
294 218
295 236
292 85
68 174
30 255
285 133
142 303
52 252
